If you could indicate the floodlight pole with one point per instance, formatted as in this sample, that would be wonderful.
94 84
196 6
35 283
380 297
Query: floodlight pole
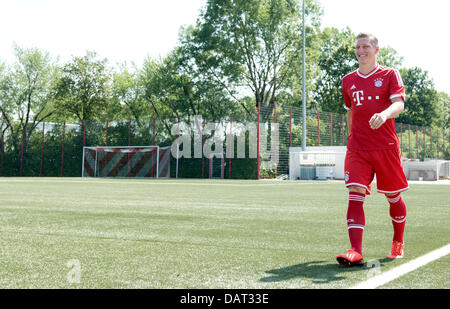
303 81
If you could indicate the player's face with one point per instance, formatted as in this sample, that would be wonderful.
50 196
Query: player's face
365 52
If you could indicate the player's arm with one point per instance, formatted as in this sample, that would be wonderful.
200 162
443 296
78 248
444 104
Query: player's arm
347 106
395 109
349 119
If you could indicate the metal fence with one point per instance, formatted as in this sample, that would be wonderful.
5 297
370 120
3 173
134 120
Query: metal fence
263 139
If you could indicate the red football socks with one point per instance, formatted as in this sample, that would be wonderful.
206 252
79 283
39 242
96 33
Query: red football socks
397 210
356 220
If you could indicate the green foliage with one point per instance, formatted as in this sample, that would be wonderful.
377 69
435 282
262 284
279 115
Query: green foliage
421 106
444 110
83 90
421 143
128 96
25 96
249 46
173 91
337 59
389 57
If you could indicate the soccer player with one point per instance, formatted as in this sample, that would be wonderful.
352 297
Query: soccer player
374 95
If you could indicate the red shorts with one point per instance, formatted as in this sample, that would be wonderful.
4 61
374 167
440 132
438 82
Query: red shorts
361 167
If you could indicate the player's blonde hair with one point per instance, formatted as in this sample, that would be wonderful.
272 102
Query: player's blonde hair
365 35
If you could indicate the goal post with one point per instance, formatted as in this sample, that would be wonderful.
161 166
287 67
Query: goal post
126 162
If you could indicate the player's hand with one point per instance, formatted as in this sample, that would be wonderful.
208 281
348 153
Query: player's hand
377 121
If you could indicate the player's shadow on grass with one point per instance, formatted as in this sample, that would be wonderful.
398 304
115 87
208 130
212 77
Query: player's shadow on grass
318 271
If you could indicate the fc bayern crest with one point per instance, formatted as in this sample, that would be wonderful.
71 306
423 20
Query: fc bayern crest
378 82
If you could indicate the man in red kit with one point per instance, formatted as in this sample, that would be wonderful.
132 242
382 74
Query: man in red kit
374 95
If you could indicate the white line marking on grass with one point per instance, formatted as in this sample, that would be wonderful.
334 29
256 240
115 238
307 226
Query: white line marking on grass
162 182
401 270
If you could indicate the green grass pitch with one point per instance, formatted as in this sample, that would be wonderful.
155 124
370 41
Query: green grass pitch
120 233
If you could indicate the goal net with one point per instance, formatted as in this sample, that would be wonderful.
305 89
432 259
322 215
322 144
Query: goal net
126 162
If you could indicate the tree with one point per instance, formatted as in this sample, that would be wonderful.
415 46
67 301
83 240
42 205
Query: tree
3 120
83 91
389 57
25 94
128 94
174 91
337 58
249 46
421 106
444 108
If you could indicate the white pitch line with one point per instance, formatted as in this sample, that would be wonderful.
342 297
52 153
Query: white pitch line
401 270
161 182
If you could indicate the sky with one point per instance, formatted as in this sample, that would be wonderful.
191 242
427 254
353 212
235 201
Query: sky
131 30
119 30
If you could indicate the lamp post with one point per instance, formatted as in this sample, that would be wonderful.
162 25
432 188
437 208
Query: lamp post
303 81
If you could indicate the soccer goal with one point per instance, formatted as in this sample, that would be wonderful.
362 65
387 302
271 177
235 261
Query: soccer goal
126 162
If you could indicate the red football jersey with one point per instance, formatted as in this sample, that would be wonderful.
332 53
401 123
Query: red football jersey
367 95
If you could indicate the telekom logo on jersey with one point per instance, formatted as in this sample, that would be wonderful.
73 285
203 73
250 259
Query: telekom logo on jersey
358 96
